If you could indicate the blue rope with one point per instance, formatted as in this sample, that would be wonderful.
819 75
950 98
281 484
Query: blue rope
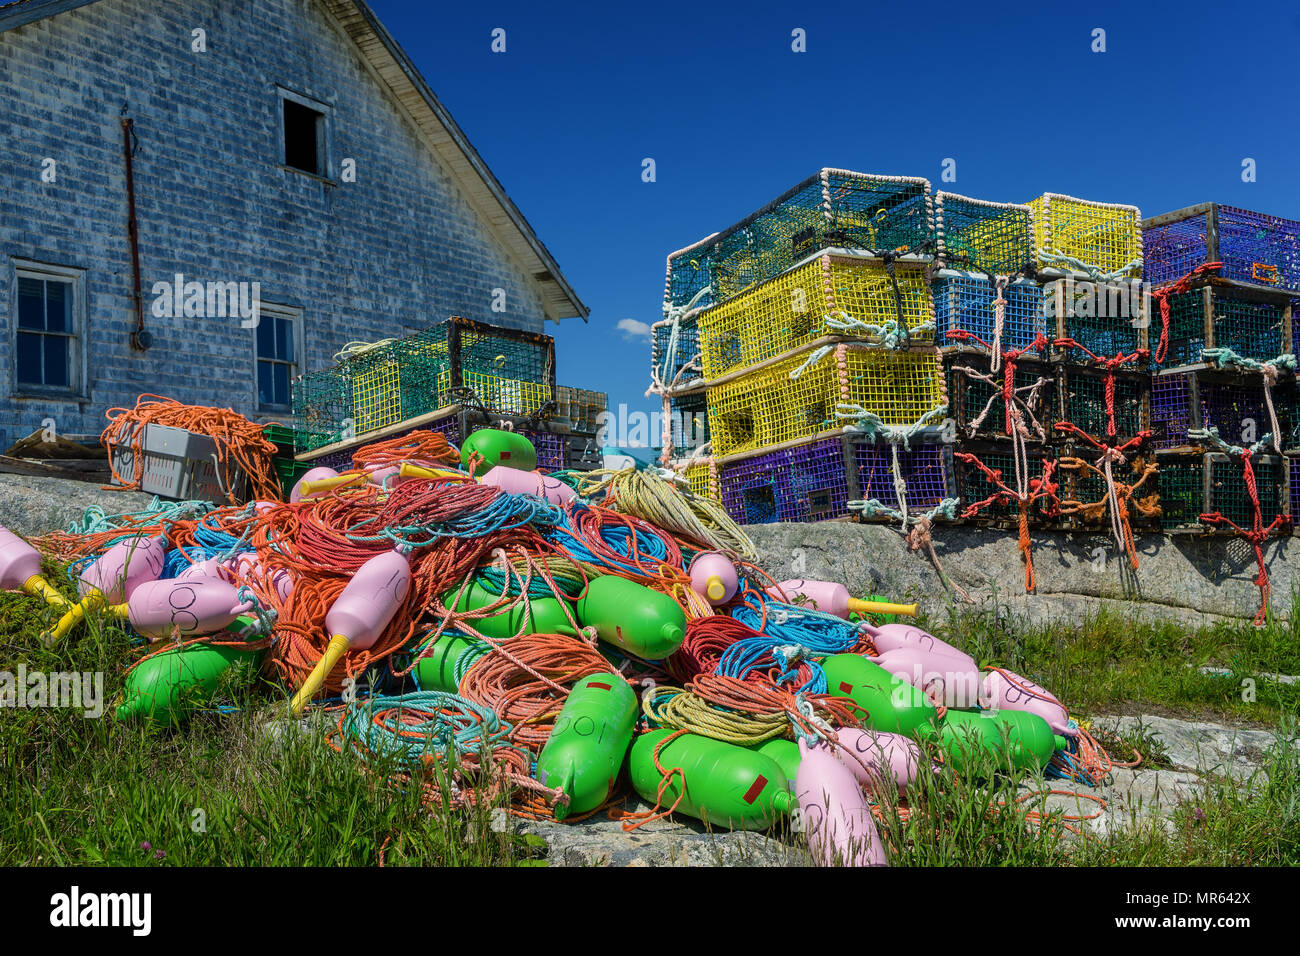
503 513
618 538
821 633
758 653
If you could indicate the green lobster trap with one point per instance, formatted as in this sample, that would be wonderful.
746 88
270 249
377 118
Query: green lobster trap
459 361
1253 323
1109 405
977 402
994 501
832 208
991 237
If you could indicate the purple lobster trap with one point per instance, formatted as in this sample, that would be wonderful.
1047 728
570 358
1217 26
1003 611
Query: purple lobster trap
1254 248
922 472
806 482
1236 406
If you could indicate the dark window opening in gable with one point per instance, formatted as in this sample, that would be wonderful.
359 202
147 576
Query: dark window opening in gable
303 138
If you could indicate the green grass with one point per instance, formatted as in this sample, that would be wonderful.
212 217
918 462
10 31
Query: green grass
1106 663
225 791
1226 822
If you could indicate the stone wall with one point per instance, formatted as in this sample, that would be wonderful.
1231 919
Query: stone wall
1191 579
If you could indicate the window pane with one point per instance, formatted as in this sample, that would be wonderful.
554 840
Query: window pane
56 361
31 304
281 384
58 306
284 339
301 144
29 358
266 337
265 384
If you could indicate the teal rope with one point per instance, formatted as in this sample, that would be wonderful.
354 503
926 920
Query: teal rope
947 508
443 724
95 520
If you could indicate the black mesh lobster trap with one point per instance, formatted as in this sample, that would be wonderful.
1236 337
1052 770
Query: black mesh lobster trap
980 399
1195 484
990 495
1086 494
1109 405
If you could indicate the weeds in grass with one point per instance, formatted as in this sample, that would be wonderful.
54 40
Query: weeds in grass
1226 821
226 790
1108 662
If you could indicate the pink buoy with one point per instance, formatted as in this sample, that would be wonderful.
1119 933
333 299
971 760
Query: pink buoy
833 598
516 482
247 565
370 600
951 678
713 577
123 568
315 474
19 561
888 637
194 606
873 755
378 476
836 817
1007 691
359 616
208 570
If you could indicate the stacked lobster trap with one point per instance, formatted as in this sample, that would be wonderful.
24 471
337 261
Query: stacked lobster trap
1044 354
454 378
1223 391
863 345
798 347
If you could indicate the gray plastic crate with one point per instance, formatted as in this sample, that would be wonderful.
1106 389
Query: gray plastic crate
178 464
584 452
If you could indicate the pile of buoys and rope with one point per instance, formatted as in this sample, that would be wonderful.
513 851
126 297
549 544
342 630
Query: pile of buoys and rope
547 640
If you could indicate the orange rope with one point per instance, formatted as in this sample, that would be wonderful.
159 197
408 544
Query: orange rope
526 680
241 445
422 444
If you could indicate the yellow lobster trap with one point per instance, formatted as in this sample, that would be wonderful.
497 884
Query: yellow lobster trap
702 475
852 296
798 397
1078 235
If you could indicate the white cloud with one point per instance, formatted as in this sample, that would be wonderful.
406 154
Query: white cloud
634 329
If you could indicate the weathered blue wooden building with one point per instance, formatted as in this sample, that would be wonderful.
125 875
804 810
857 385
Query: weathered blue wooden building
168 170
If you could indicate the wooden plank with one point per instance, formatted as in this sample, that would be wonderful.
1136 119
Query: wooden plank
36 469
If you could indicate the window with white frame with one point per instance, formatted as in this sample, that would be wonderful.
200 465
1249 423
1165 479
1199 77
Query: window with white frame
48 303
277 342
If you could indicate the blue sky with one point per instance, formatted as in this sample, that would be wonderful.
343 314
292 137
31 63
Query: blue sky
733 117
